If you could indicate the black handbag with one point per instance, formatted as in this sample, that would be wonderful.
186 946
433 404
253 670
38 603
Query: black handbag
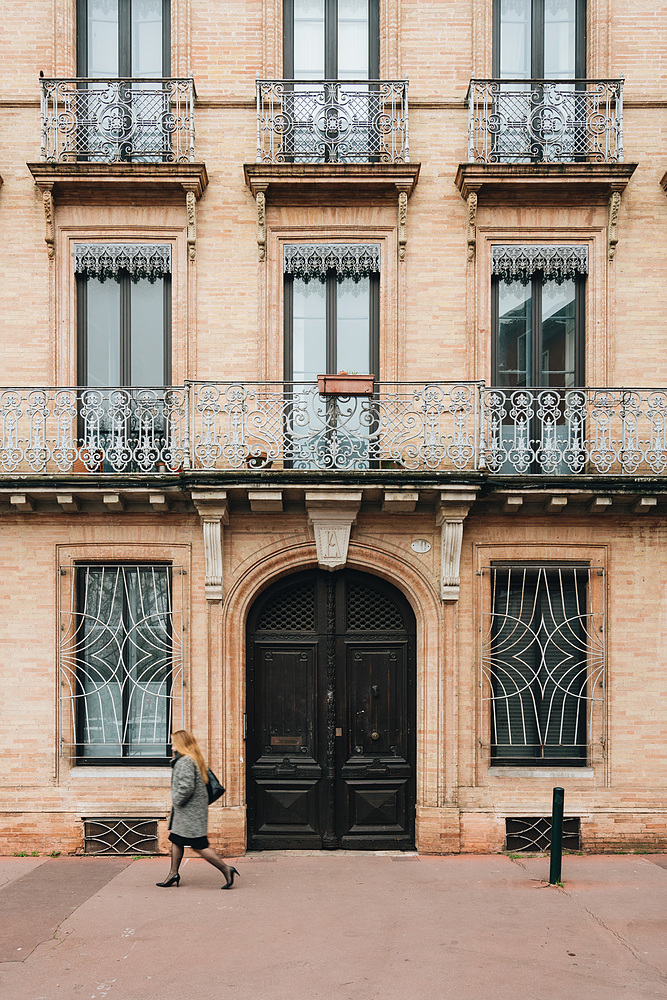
213 787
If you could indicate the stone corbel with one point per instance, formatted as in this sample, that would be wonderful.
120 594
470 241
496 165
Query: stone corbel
471 226
453 508
214 514
49 218
260 198
190 203
332 514
402 222
612 223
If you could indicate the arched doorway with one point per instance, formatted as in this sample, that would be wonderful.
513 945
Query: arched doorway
331 714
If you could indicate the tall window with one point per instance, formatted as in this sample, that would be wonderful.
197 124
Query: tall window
331 325
123 38
331 39
539 39
542 664
125 648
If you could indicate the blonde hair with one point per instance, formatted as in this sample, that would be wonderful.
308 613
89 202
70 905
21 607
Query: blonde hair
184 743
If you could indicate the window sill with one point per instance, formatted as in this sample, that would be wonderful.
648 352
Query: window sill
542 772
82 772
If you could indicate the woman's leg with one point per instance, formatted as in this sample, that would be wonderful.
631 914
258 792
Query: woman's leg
213 858
176 858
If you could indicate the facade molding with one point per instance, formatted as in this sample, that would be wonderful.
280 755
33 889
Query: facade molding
452 510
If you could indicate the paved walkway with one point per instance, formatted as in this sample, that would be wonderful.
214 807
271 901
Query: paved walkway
335 926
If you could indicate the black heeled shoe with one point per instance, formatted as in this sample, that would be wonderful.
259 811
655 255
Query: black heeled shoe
175 879
229 884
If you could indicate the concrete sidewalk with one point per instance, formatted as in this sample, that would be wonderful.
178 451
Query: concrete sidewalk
338 926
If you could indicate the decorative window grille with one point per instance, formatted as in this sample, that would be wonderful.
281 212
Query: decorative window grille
106 260
348 260
557 263
533 833
542 664
120 836
121 661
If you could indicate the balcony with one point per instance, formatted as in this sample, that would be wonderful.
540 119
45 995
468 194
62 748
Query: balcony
545 133
118 121
332 121
289 428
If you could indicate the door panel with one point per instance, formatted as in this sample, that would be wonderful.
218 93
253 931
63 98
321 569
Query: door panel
331 741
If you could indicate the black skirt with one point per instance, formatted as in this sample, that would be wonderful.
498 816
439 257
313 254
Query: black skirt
199 843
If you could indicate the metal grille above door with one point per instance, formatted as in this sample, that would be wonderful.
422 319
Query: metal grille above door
331 712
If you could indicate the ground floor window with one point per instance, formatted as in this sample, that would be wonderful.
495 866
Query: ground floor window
542 664
121 662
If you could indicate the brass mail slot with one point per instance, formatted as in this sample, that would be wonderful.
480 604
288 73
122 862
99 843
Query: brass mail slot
286 741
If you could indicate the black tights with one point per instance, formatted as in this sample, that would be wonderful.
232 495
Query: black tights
207 853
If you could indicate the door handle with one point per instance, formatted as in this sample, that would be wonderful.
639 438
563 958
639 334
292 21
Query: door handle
374 689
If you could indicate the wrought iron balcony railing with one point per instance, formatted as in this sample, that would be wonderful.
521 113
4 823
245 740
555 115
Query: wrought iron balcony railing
110 121
545 121
417 427
334 121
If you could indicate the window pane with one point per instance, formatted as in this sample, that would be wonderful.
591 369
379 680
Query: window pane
148 660
559 38
515 29
308 39
100 674
353 322
102 52
353 40
147 332
103 333
514 352
309 344
146 37
558 334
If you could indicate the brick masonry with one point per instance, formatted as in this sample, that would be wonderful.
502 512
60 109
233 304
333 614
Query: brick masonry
227 323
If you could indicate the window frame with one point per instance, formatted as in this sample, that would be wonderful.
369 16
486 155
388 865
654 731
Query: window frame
331 282
124 760
537 281
331 39
537 40
124 38
125 282
496 761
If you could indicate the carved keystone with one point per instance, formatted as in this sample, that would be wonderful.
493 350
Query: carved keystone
453 508
214 513
332 514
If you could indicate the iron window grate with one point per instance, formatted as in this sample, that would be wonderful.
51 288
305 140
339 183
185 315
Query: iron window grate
120 836
533 834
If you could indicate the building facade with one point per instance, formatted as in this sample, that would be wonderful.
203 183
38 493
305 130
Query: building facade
334 421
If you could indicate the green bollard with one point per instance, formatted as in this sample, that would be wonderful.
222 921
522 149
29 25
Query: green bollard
556 864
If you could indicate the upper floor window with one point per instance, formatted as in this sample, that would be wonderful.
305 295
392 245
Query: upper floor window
539 39
123 38
124 314
331 39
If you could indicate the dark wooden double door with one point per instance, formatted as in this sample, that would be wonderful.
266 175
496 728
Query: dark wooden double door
331 715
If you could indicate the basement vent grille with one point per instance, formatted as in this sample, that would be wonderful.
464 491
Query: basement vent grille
533 833
120 836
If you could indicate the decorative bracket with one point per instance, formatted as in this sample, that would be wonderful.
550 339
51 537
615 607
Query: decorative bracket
47 197
454 505
402 222
213 511
190 203
260 198
471 226
332 514
612 223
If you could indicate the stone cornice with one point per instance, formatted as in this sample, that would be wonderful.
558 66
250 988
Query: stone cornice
350 177
104 178
499 178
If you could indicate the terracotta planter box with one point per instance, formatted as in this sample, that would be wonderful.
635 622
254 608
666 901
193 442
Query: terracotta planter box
345 385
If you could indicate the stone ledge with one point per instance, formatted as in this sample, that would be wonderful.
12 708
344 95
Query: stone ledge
558 178
105 178
348 177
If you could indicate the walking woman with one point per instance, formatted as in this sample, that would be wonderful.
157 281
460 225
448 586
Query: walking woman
189 817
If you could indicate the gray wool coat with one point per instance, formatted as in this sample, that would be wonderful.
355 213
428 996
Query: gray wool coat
189 799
